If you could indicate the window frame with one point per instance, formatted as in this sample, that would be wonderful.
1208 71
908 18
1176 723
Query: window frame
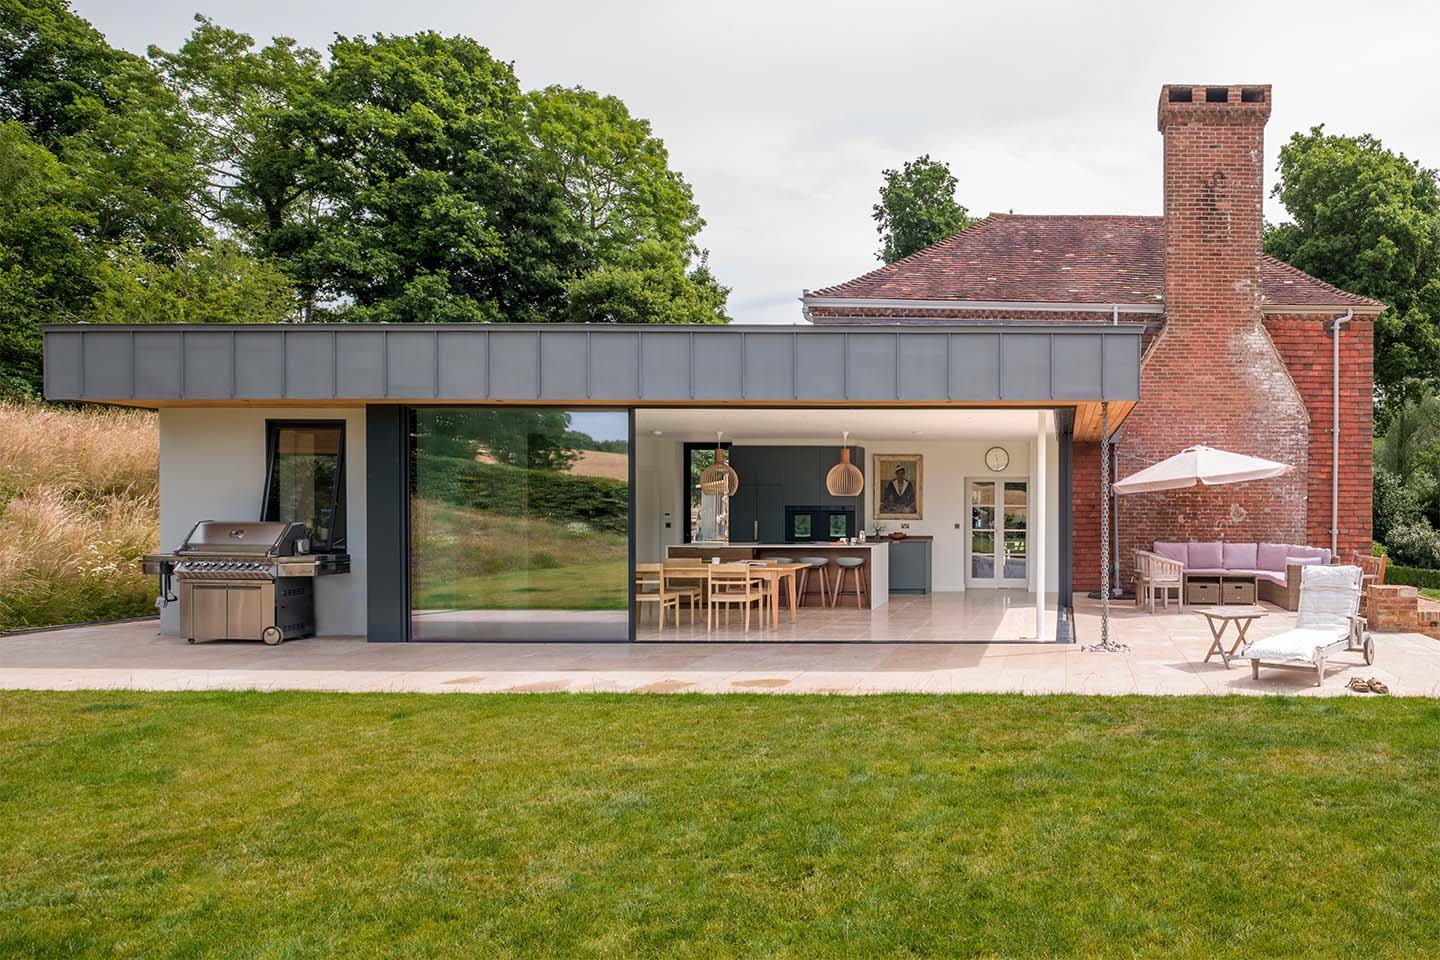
685 450
338 532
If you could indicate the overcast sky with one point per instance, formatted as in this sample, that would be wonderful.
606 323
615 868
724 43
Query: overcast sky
782 115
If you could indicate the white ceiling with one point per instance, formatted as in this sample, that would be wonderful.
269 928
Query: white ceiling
865 426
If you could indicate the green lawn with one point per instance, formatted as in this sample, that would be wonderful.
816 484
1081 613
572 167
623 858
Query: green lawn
314 825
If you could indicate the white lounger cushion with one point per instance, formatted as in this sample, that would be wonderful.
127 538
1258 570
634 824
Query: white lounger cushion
1299 644
1329 599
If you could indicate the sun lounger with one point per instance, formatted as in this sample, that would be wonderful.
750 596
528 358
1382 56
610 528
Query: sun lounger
1328 621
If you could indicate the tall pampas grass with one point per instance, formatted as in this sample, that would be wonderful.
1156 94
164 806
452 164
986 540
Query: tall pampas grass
79 504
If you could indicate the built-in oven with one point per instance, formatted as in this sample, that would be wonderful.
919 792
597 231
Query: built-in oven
804 524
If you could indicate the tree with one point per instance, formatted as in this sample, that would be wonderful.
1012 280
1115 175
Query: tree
438 209
614 173
105 114
917 208
252 111
1368 220
648 284
46 269
217 282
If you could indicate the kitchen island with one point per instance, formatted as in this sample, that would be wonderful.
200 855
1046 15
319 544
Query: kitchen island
875 553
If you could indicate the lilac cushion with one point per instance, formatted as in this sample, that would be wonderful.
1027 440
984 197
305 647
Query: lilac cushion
1206 555
1171 551
1271 556
1239 556
1303 561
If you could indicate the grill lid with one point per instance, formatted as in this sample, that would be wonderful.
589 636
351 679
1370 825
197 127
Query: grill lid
258 538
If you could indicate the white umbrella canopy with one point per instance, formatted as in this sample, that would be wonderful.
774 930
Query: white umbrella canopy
1200 465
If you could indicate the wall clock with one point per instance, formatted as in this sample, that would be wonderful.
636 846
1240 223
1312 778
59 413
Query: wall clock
997 459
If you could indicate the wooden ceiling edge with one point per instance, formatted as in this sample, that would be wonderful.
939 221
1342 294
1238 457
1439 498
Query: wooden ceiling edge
330 402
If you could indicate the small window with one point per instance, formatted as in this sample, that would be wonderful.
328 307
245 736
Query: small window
305 479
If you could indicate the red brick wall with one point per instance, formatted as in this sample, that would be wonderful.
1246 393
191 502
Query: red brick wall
1213 375
1307 348
1085 517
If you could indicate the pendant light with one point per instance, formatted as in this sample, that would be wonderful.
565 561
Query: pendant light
845 479
719 477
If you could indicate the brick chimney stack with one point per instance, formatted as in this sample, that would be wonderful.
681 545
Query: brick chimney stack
1214 199
1213 374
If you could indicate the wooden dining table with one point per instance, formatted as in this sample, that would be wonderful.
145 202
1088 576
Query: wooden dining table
773 574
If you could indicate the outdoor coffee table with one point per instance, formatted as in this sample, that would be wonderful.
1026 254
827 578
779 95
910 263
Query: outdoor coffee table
1219 619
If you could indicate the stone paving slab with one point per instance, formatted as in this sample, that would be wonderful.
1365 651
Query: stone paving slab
1165 656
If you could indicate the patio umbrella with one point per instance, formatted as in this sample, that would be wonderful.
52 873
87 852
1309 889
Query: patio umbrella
1200 465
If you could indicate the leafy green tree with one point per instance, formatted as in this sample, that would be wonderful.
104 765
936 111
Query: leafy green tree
216 282
614 173
1368 220
253 112
917 208
105 114
46 269
649 284
438 209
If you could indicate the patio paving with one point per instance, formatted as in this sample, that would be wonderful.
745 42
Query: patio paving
1165 657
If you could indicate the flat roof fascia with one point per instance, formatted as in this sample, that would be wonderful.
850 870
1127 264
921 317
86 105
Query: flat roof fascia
987 362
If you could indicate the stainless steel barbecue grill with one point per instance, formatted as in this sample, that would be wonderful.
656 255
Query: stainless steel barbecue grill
244 580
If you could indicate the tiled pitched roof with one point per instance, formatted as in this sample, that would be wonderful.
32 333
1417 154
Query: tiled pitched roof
1061 259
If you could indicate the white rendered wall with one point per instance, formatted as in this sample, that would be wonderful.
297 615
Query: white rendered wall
948 464
659 490
212 467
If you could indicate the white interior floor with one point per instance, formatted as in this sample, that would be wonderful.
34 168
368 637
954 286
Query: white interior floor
962 616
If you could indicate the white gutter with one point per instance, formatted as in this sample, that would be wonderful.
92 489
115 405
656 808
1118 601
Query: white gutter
1335 435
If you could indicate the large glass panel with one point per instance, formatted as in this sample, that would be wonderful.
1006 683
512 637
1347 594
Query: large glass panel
306 480
519 524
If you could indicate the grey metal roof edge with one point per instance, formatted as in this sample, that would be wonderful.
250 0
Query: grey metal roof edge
879 324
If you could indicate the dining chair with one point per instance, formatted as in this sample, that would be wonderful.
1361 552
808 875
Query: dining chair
730 584
686 580
650 589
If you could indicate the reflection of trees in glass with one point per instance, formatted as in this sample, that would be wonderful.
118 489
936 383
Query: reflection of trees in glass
534 439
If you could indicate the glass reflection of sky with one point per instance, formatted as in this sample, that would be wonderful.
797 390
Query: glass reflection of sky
600 424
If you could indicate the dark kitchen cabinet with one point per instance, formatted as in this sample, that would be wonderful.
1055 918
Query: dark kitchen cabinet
910 565
757 512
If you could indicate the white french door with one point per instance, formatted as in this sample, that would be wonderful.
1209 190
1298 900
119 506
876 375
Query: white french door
999 554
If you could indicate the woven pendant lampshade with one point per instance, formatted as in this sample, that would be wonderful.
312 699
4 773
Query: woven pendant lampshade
719 477
845 479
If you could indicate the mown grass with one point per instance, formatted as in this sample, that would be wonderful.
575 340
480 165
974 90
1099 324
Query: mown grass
79 504
309 825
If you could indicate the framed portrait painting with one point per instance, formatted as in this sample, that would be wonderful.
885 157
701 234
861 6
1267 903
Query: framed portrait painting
899 486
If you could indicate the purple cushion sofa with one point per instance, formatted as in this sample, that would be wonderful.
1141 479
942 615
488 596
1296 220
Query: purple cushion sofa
1275 566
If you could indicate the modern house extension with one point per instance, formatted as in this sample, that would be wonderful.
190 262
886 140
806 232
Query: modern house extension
510 482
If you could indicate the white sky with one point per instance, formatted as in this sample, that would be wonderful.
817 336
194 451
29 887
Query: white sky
782 115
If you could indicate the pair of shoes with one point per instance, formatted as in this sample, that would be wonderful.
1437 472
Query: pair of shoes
1367 686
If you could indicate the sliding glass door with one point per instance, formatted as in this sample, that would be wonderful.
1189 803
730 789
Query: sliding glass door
519 524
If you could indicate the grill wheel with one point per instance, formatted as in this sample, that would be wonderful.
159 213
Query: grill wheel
272 636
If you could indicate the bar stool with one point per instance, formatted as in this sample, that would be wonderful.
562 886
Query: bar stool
850 563
815 563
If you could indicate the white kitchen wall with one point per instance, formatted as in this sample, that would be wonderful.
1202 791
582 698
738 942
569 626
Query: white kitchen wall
659 496
948 464
212 467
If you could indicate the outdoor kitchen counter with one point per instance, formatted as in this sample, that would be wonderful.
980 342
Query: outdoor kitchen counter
875 553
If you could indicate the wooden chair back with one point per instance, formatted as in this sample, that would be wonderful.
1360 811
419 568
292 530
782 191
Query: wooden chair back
732 580
649 578
1372 569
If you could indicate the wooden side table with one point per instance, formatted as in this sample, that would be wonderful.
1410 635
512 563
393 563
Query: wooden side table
1219 619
